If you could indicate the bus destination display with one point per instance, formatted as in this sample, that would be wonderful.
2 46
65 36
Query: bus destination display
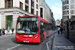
27 19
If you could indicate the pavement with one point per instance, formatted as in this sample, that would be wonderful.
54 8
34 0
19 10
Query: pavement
10 32
61 43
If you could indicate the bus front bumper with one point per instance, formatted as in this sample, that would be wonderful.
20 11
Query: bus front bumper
28 40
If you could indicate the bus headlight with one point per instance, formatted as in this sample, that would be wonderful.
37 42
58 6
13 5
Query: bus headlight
17 36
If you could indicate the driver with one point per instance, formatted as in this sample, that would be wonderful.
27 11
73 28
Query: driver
25 28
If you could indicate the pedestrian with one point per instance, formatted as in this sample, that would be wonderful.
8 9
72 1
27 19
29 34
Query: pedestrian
3 31
58 30
12 30
61 30
0 32
7 30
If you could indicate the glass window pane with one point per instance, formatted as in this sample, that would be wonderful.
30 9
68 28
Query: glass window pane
67 6
64 12
72 11
67 1
72 6
71 1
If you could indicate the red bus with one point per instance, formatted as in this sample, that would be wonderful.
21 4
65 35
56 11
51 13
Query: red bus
31 29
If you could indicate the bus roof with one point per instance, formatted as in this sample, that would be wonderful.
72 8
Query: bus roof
44 20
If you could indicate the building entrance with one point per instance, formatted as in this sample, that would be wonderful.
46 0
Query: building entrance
8 22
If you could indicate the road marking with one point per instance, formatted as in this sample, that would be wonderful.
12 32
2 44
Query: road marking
13 47
49 42
4 40
51 37
47 45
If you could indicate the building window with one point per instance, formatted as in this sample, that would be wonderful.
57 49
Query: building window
64 12
36 12
71 16
8 3
32 11
71 1
27 8
32 3
63 7
65 17
41 2
21 5
27 1
65 2
37 6
72 6
72 11
36 0
67 6
5 3
41 12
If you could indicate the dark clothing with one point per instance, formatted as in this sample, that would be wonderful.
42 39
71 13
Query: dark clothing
0 32
61 29
3 31
12 31
58 31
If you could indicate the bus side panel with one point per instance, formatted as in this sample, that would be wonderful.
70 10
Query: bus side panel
18 40
44 34
36 39
48 33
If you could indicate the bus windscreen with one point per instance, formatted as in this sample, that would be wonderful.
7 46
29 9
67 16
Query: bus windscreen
27 25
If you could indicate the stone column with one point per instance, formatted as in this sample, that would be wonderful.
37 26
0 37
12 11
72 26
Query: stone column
3 20
0 21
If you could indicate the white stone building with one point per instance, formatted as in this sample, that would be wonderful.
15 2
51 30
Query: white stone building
11 9
45 11
68 9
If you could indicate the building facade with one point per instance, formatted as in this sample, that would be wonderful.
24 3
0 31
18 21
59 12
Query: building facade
11 9
45 11
53 20
68 9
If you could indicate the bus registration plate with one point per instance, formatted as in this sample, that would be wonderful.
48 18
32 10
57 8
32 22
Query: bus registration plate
26 41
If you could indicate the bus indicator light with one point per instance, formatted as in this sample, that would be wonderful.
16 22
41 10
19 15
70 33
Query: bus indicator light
30 35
